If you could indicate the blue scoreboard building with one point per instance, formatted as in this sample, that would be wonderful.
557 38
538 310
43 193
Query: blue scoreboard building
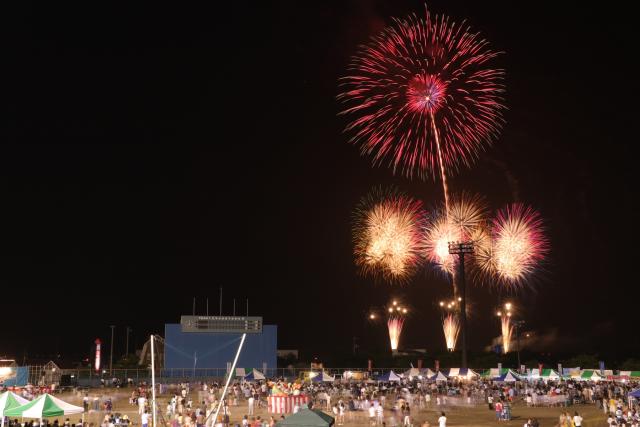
212 342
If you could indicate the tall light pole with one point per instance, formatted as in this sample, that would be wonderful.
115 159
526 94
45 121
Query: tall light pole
461 249
111 356
127 347
518 324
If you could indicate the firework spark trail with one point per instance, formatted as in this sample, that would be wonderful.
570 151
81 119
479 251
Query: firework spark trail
443 175
451 328
423 96
395 324
388 234
507 331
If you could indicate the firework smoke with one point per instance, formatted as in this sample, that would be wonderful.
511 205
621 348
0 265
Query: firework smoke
387 234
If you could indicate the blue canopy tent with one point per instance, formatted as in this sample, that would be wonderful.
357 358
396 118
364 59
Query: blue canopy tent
389 377
254 375
439 377
322 378
509 377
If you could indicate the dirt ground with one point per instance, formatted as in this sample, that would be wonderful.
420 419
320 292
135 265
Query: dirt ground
456 416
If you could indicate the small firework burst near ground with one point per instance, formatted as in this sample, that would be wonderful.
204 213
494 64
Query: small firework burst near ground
387 235
507 331
423 96
451 328
395 325
397 315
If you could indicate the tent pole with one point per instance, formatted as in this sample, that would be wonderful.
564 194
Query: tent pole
153 381
233 368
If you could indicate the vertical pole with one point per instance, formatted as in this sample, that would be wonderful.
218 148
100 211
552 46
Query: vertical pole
111 356
194 306
234 306
153 380
247 307
220 300
207 306
127 347
518 342
463 309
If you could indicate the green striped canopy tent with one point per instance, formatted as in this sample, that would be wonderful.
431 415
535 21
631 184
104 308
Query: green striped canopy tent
9 400
44 406
591 374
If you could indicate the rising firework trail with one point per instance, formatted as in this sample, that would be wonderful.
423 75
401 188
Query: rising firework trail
517 246
388 235
424 97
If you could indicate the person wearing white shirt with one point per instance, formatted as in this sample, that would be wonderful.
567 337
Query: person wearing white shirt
442 421
577 420
372 415
144 419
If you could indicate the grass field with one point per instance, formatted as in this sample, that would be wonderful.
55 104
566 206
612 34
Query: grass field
461 416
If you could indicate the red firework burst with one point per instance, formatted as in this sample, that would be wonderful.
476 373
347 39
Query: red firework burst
423 86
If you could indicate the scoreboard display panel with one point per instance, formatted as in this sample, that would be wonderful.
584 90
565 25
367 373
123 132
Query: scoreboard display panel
229 324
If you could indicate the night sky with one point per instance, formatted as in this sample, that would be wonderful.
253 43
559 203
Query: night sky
154 153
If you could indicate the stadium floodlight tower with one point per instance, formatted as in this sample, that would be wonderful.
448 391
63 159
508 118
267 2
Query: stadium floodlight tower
461 249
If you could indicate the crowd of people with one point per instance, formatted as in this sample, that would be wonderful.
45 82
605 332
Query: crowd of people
383 404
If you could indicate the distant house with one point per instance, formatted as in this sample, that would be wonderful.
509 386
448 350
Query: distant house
51 373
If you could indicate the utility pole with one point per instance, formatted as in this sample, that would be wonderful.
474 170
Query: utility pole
518 324
460 249
111 357
127 347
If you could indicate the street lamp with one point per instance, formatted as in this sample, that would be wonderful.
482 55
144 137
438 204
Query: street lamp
461 249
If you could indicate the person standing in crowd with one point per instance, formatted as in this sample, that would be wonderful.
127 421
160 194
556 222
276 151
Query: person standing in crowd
250 402
142 401
442 421
498 408
577 420
144 419
407 416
